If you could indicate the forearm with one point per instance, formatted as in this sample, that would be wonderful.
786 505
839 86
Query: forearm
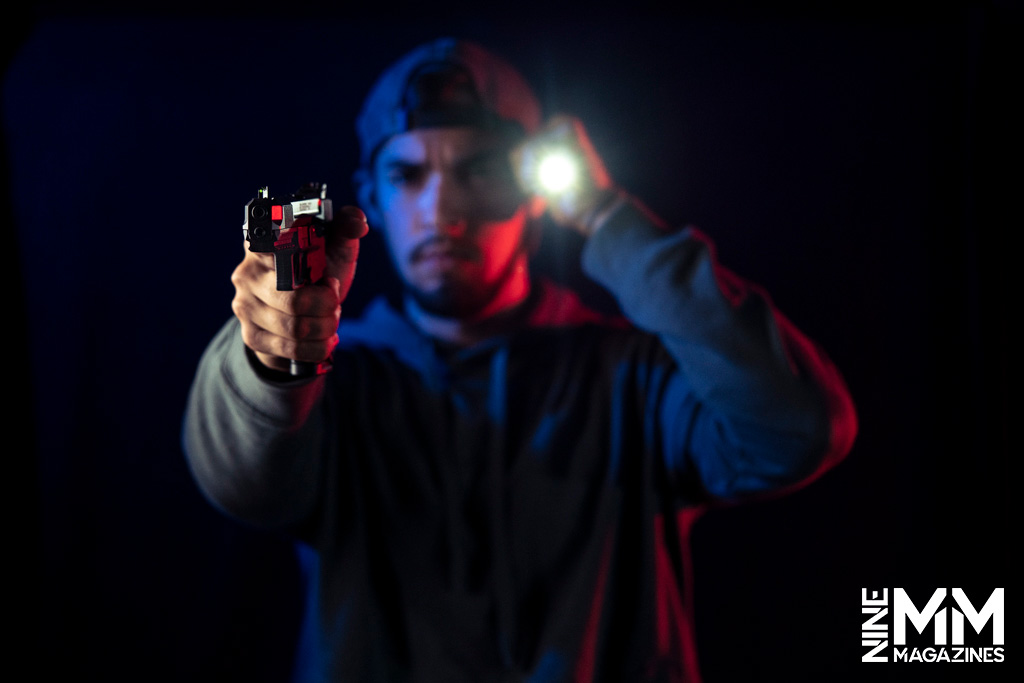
254 445
760 379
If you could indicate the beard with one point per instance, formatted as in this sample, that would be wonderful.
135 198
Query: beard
455 298
460 296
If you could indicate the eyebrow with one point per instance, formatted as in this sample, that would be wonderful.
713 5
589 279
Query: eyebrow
477 155
388 164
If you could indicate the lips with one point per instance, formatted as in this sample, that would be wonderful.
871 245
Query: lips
438 248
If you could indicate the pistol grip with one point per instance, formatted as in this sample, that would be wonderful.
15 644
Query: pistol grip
284 267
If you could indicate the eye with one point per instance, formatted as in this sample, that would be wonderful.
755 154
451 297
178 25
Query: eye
402 175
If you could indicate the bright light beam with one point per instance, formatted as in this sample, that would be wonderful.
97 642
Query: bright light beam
557 172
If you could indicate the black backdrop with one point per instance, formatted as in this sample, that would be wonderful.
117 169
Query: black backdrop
848 161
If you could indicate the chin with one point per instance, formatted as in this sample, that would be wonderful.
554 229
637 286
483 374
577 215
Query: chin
452 300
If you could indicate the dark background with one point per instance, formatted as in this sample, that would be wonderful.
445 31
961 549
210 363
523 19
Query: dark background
854 162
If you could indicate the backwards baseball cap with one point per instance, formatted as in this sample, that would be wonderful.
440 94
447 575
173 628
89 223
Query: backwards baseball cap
446 82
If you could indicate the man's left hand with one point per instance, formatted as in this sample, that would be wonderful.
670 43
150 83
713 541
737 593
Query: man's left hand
560 166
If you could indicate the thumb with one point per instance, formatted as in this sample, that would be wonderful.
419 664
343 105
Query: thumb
342 246
349 223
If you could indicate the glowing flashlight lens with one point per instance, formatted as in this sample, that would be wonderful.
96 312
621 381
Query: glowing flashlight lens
557 172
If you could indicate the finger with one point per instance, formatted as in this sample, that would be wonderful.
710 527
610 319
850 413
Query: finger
568 133
253 278
266 343
342 248
349 223
595 165
263 259
296 327
341 266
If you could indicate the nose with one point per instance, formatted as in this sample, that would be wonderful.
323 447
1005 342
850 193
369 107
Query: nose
442 206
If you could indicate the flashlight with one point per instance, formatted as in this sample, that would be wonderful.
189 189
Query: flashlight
559 166
557 172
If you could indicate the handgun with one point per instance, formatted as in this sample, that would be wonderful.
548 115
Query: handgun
293 229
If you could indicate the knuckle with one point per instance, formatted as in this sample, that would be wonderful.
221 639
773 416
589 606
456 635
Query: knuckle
288 348
320 350
307 301
241 273
291 302
239 308
294 327
250 337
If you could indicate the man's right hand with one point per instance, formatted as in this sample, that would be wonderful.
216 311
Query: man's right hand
301 324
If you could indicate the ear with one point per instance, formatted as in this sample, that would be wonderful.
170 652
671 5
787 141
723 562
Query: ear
362 180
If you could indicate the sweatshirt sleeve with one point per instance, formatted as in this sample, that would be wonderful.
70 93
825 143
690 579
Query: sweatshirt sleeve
772 410
254 445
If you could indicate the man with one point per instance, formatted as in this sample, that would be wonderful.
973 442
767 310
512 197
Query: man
493 478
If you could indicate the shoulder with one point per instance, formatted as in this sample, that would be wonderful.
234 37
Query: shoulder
556 306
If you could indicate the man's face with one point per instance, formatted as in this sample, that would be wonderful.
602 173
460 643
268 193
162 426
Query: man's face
454 217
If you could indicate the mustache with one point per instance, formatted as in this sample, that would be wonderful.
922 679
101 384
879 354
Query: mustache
441 245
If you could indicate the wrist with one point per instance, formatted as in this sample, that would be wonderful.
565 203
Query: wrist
606 203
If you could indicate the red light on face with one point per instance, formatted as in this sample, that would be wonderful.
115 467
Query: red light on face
276 214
